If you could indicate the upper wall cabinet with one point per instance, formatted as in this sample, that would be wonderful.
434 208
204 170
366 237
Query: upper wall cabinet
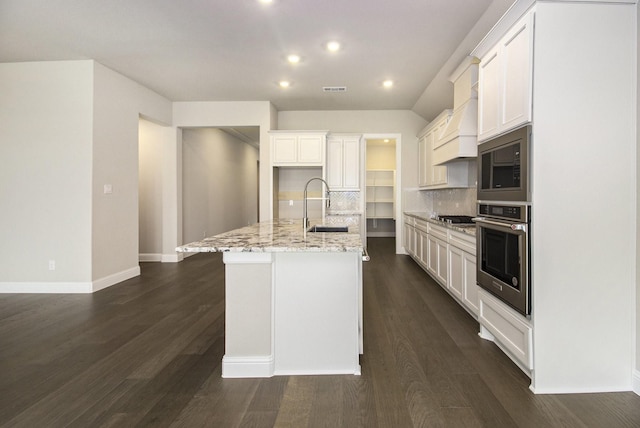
429 174
298 148
343 162
505 82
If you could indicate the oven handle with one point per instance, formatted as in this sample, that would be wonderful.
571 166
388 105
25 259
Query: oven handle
513 226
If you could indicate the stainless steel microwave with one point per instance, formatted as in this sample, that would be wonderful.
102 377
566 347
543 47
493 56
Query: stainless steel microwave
503 167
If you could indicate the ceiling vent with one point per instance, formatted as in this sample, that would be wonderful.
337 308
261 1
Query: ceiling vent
334 89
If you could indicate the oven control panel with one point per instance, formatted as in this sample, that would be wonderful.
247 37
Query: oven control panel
507 212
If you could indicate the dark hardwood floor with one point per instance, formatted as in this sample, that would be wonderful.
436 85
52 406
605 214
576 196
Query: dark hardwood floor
147 352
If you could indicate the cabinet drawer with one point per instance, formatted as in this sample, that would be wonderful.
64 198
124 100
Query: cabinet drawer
511 331
422 225
463 241
437 232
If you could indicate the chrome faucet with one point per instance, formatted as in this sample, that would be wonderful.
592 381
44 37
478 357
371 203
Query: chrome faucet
305 219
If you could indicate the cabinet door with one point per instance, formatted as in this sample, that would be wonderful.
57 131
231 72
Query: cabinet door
422 249
334 163
442 272
432 256
488 94
351 163
470 296
505 82
456 271
517 50
310 149
284 149
408 239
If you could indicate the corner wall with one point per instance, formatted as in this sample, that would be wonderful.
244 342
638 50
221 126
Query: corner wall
45 176
118 104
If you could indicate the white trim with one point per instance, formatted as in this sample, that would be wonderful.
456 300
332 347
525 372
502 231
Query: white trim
635 382
68 287
357 371
237 367
173 258
149 257
46 287
110 280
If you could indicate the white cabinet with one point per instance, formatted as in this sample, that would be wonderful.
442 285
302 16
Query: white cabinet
422 242
462 270
505 82
509 329
297 148
409 236
343 162
430 176
449 256
381 193
437 253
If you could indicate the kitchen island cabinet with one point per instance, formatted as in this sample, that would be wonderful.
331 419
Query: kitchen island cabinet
293 299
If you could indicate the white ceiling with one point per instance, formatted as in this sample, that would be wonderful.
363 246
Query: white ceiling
235 50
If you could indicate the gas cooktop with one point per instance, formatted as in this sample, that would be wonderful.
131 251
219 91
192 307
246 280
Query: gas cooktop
455 219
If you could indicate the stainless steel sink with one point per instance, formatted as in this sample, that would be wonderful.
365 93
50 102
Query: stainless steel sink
319 228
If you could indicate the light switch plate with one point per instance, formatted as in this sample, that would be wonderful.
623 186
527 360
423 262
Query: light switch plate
108 189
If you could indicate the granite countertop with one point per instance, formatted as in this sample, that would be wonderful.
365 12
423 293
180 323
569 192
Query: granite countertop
279 236
469 229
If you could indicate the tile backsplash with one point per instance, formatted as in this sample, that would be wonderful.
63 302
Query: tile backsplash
344 201
442 201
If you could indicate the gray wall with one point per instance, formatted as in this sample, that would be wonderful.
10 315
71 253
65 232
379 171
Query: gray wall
219 184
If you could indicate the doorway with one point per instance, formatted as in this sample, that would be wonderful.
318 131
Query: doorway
382 181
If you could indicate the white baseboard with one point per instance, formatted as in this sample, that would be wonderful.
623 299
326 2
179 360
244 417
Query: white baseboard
238 367
46 287
163 258
110 280
636 382
68 287
173 258
150 257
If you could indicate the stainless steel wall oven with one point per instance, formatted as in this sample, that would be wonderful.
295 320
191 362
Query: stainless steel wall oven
503 224
503 251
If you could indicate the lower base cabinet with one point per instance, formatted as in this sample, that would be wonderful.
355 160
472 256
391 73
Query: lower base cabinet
508 329
448 256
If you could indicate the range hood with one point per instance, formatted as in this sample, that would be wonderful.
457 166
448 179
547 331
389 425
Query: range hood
459 140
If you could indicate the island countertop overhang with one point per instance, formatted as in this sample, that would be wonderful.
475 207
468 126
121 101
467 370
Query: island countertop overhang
278 236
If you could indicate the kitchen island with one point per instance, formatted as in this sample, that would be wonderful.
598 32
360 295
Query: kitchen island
293 300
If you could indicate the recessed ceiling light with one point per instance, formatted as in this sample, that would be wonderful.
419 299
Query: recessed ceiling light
293 58
333 46
387 83
265 1
284 84
386 140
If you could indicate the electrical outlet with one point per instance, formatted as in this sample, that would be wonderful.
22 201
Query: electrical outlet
52 265
290 202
